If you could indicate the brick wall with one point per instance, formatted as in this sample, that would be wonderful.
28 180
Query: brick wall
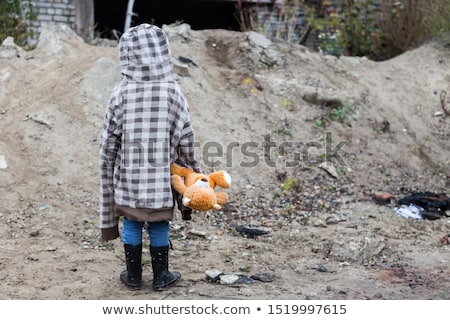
54 11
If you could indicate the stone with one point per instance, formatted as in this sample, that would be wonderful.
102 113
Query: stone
3 163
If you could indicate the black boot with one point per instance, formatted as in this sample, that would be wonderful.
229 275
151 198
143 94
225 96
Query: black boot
132 277
162 277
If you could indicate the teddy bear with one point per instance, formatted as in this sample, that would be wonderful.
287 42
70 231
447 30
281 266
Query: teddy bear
197 189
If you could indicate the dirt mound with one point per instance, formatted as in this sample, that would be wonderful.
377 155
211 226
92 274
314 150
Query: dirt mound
307 139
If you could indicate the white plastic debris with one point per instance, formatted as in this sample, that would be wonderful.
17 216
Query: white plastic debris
412 211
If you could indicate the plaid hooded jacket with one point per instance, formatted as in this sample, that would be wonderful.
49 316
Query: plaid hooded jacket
147 126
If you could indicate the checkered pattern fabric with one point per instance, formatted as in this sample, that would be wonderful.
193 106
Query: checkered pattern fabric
147 126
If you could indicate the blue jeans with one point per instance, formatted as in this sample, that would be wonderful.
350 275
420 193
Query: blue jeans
158 233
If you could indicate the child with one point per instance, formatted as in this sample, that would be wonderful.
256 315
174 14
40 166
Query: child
147 126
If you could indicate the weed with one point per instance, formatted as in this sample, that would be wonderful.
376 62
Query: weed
287 184
291 184
146 262
377 29
339 114
286 102
288 208
439 168
15 21
436 19
322 157
283 131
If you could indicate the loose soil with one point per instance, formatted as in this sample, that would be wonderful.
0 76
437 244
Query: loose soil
267 112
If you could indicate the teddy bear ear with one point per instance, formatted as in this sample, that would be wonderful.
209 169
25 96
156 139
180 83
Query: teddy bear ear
221 178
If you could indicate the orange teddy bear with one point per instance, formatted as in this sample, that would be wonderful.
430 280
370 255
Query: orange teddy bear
197 189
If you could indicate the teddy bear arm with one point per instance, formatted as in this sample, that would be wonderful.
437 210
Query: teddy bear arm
180 171
178 184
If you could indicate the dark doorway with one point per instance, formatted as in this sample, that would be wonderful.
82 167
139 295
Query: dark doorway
199 14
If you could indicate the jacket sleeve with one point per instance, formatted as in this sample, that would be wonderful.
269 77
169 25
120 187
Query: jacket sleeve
186 144
109 147
186 149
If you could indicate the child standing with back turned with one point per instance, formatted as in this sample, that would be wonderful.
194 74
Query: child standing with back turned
147 126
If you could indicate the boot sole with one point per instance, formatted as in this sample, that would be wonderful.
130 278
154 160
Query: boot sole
167 286
132 287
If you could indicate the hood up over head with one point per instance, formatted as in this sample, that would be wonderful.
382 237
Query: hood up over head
145 55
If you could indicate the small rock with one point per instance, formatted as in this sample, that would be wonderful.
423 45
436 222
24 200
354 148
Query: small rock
187 61
177 30
330 169
5 74
42 118
199 233
228 278
258 40
263 277
382 197
9 49
316 222
344 264
181 70
333 220
321 267
243 279
34 233
251 233
213 275
3 163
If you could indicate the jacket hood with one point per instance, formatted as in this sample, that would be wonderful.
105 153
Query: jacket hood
144 54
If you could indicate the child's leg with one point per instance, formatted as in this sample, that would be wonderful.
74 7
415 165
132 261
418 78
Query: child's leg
159 233
132 232
159 251
132 241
